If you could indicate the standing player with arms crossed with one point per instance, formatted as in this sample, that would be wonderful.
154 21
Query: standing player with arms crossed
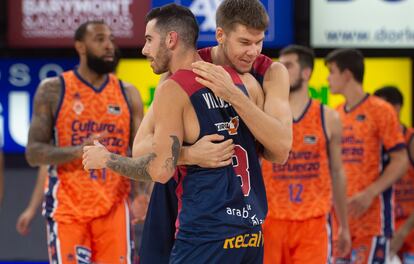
369 124
87 213
299 193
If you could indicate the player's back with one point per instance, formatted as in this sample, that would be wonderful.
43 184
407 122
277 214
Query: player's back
72 193
404 187
219 203
368 127
300 189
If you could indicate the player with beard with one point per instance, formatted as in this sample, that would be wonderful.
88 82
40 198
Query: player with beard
87 212
300 192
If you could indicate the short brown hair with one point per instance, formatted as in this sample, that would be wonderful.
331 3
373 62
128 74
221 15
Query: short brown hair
172 17
306 56
351 59
250 13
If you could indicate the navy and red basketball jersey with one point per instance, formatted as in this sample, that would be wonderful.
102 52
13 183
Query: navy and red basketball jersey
214 204
163 195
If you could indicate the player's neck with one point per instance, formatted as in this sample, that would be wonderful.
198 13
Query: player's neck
91 76
183 60
298 100
218 57
354 94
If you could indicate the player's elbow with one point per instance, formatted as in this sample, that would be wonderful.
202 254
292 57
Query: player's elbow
30 156
279 153
161 175
404 162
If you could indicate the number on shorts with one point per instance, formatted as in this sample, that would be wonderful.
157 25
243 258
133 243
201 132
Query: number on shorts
241 167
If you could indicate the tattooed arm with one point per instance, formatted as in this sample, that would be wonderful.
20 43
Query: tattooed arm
39 149
160 163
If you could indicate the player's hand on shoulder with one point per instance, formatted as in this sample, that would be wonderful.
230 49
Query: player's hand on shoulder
216 78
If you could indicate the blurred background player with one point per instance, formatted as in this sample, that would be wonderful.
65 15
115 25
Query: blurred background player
87 212
240 28
184 109
403 239
25 218
299 192
368 124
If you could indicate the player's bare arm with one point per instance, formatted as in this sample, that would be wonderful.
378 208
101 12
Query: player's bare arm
39 149
160 164
398 238
360 202
141 190
26 217
208 152
334 131
276 119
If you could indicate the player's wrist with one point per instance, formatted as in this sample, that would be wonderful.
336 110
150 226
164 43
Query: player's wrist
237 98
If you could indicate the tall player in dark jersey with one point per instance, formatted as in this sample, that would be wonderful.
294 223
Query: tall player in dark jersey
241 24
221 210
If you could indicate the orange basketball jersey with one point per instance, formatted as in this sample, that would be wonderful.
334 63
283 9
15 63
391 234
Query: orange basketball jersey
72 194
301 188
404 187
367 128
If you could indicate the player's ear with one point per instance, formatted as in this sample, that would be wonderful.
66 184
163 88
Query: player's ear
80 47
306 73
171 40
348 74
220 35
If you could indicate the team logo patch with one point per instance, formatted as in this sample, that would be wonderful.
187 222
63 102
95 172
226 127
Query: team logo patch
230 126
310 139
114 109
77 104
360 117
83 255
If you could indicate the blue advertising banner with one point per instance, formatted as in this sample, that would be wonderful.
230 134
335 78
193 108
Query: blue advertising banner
279 34
19 79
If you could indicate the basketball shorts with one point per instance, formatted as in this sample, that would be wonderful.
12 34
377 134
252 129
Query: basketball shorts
288 241
246 248
107 239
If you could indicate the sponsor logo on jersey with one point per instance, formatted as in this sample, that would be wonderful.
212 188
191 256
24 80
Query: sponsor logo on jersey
360 118
230 126
83 255
77 104
244 241
114 109
309 139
